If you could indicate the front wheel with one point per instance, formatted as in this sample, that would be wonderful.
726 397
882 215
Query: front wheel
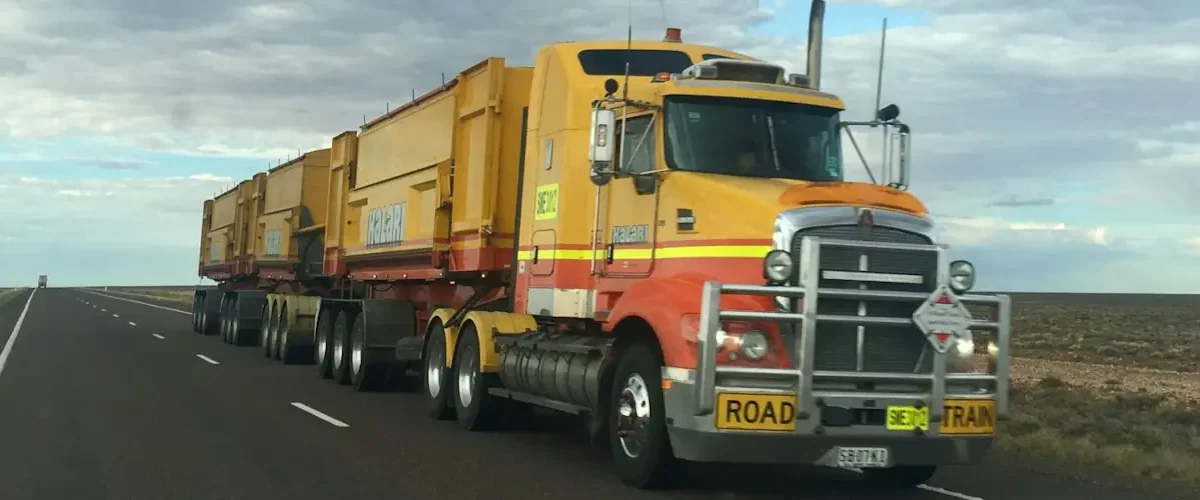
899 477
637 427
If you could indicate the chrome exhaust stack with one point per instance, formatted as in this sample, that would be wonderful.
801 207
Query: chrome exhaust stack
816 21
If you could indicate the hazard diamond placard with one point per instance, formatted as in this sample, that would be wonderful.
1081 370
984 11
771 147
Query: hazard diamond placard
943 318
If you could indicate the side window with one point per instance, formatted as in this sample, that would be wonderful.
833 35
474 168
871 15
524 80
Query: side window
635 159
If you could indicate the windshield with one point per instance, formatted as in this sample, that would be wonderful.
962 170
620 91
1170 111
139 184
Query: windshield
753 138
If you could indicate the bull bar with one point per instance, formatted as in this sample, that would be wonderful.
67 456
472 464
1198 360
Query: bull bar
803 374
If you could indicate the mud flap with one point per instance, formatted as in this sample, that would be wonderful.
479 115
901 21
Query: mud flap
249 315
386 322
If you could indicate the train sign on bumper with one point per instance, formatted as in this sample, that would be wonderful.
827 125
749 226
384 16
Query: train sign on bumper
943 319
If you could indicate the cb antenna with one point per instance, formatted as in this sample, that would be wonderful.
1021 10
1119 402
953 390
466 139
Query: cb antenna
625 88
878 103
628 52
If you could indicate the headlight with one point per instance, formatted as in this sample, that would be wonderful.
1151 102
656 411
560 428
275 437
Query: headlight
777 265
962 276
962 350
754 345
966 348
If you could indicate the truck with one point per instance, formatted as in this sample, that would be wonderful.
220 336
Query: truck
655 236
42 280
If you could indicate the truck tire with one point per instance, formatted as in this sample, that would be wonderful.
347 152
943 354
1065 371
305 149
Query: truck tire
211 324
287 354
341 347
197 306
476 408
235 326
227 312
364 376
641 451
270 324
277 339
321 345
899 477
435 377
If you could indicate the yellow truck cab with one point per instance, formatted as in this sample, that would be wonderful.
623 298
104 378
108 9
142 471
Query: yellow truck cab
797 317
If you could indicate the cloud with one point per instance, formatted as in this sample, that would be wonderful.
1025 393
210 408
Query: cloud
1017 107
1014 201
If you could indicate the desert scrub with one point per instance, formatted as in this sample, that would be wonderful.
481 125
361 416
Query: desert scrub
1135 433
1138 332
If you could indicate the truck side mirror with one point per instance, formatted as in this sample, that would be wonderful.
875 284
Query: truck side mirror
601 144
901 153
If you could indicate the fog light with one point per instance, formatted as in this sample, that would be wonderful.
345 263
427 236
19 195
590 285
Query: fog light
962 276
777 266
753 345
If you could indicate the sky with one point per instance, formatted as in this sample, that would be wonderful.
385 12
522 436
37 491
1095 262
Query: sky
1055 141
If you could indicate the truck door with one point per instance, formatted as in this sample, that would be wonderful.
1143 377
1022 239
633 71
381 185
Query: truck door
628 216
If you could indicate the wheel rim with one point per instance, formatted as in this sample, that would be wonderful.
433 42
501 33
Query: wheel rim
338 348
467 364
284 327
322 345
433 368
633 414
356 352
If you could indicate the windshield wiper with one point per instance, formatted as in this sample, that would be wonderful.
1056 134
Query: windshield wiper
771 141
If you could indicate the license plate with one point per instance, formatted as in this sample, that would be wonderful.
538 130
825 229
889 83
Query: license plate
756 412
969 417
907 418
962 417
862 457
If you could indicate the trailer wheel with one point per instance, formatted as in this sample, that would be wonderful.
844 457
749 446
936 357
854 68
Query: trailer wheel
341 351
235 325
277 339
324 348
363 375
226 319
286 354
636 425
899 477
475 407
196 308
199 314
211 324
270 325
435 377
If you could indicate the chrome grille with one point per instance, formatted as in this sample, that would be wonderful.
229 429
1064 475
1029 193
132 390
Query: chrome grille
885 348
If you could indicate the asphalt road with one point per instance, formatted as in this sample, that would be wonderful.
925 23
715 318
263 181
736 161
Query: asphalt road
105 398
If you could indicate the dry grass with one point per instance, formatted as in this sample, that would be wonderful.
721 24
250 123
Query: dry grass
1134 433
1108 381
175 294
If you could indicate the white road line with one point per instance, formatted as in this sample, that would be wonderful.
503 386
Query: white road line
103 309
15 331
206 358
116 316
132 323
948 493
180 311
931 489
312 411
159 337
